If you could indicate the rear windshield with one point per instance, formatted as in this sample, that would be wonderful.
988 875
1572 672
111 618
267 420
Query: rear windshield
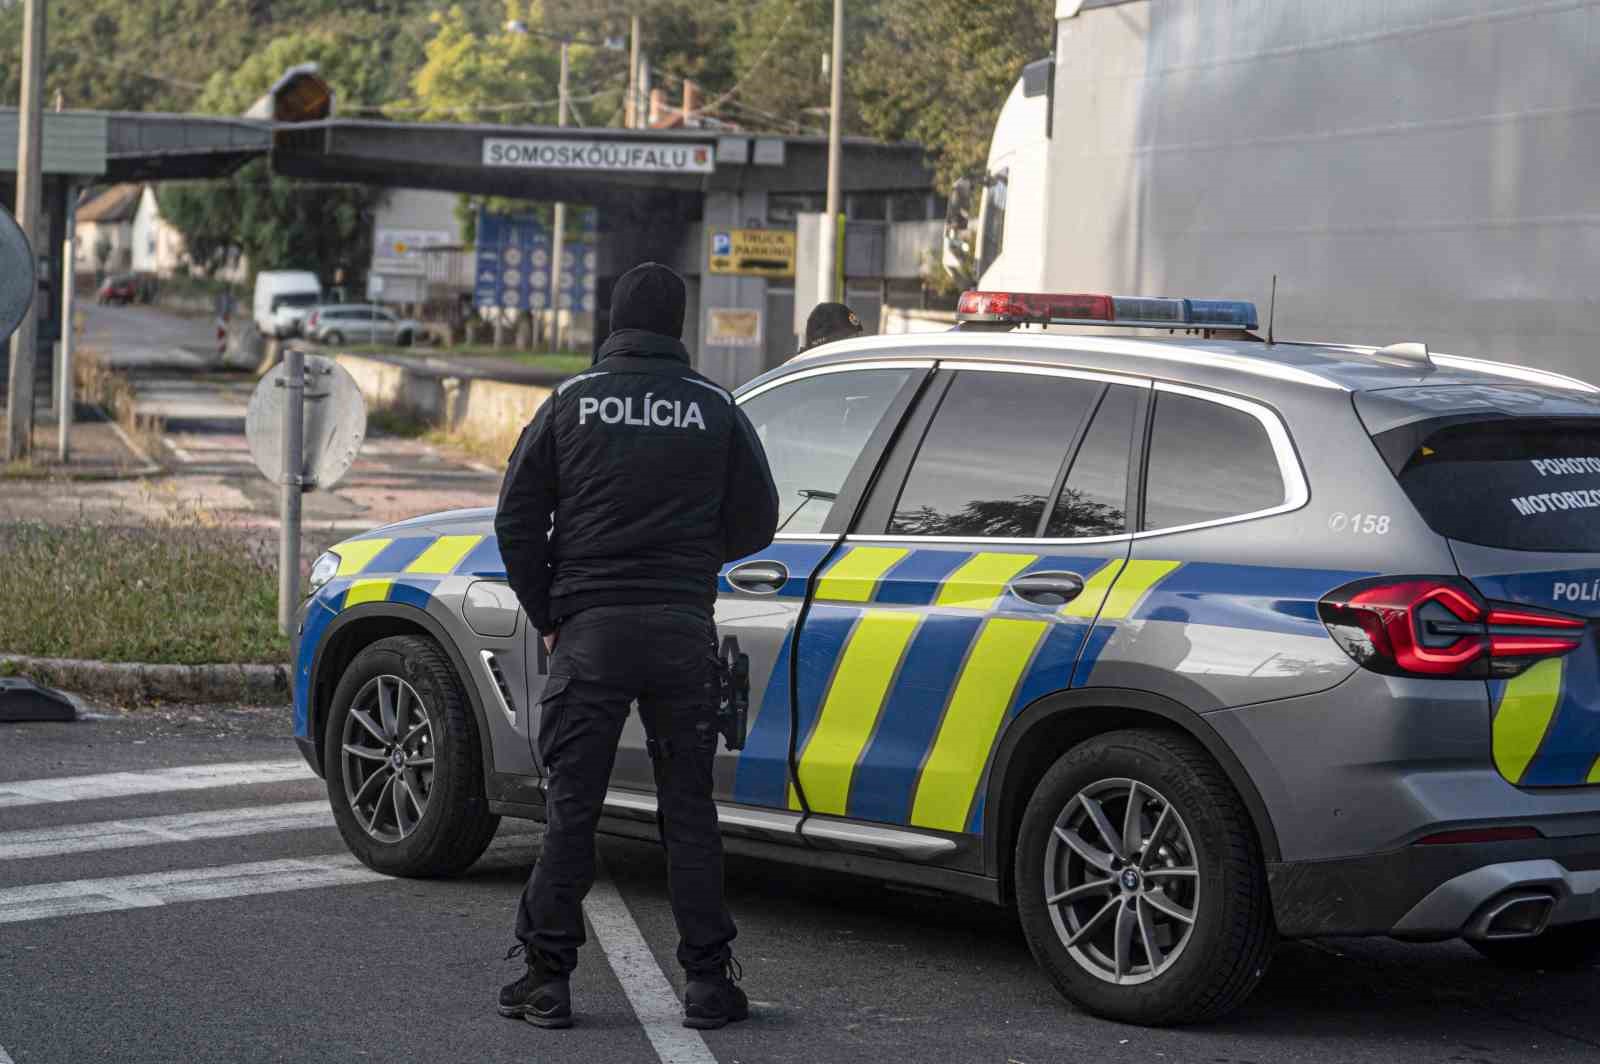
296 299
1519 484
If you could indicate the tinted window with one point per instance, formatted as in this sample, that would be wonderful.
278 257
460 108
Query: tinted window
994 220
1522 485
813 431
1094 499
1207 461
989 460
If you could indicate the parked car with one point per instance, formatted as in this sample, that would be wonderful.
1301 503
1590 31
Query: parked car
360 323
122 289
1177 645
282 300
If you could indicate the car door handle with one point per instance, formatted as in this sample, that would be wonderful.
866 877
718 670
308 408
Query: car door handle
1048 589
759 578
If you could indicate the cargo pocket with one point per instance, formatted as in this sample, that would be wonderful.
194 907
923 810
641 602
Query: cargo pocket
545 737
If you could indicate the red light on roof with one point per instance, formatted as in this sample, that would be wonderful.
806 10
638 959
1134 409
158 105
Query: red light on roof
1033 306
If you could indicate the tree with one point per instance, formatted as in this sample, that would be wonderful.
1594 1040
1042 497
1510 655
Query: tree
938 71
277 222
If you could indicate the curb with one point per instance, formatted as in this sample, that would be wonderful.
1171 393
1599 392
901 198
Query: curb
135 683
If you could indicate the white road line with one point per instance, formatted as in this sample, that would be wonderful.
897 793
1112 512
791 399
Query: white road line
182 454
4 1059
652 997
153 831
79 897
156 781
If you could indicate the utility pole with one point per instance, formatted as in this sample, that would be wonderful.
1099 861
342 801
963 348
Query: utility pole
558 237
631 109
827 262
69 277
25 341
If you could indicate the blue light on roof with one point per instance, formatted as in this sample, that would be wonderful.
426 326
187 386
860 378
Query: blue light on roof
1222 313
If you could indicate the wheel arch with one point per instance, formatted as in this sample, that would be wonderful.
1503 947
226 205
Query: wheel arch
1048 727
359 627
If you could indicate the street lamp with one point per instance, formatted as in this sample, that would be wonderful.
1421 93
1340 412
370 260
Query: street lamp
827 261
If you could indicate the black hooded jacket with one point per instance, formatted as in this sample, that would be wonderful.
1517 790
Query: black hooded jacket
652 476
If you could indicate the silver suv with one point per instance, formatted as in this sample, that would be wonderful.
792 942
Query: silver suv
1178 645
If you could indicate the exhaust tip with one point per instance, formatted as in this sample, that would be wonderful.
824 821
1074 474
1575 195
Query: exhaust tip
1512 915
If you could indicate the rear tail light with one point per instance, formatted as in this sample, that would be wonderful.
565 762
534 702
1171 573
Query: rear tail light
1518 833
1438 626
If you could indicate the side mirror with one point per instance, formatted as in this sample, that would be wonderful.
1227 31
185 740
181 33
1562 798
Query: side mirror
17 278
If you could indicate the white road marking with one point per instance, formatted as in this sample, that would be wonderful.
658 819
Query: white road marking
182 454
652 997
79 897
153 831
155 781
5 1059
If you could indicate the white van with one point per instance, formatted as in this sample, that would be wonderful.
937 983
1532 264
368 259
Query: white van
283 299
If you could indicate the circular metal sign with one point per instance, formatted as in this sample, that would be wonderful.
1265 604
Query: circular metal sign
16 275
335 423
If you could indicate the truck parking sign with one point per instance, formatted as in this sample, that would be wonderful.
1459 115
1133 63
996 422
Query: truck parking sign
752 252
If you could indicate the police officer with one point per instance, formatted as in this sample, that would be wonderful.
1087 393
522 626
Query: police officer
653 479
829 322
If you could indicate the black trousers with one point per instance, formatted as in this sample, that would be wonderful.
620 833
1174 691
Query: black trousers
605 658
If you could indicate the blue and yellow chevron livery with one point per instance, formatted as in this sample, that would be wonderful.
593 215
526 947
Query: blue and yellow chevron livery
403 569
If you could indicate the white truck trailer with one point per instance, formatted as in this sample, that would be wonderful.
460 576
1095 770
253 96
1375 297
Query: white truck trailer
1409 169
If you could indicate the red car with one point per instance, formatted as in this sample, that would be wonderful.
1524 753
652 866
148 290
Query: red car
118 289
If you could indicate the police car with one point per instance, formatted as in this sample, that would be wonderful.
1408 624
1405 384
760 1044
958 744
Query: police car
1178 644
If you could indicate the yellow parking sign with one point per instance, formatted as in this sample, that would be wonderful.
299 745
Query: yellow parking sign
752 252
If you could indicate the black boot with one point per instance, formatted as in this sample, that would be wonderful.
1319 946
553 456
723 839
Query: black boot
713 998
541 996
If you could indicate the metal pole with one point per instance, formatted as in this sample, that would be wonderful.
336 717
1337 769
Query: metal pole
294 381
827 262
25 341
558 238
69 292
631 119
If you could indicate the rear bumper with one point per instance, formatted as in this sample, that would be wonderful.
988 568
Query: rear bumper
1436 892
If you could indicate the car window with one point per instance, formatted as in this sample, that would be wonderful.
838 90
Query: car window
1094 499
813 431
989 461
1516 484
1207 462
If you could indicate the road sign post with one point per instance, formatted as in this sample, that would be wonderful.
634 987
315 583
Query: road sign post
305 425
293 484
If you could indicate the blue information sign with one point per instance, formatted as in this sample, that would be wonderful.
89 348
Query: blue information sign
513 265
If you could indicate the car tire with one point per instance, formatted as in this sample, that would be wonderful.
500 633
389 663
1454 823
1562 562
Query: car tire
1563 948
403 339
1194 839
333 336
402 694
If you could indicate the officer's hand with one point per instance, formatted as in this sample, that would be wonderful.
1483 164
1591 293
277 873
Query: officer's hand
550 642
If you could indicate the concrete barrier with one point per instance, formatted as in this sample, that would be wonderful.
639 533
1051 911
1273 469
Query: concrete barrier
466 402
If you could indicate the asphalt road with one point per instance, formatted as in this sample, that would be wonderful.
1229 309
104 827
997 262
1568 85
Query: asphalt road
199 905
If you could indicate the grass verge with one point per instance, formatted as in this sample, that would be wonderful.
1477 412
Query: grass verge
106 388
165 593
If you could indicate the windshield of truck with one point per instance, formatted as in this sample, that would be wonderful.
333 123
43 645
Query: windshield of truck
296 299
1518 484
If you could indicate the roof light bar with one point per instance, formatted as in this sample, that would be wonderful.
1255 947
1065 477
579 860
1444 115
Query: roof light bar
1050 308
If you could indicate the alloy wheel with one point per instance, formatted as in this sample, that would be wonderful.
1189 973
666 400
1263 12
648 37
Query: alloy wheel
1122 881
388 758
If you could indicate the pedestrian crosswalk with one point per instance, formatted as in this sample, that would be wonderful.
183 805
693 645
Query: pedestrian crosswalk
171 826
156 781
